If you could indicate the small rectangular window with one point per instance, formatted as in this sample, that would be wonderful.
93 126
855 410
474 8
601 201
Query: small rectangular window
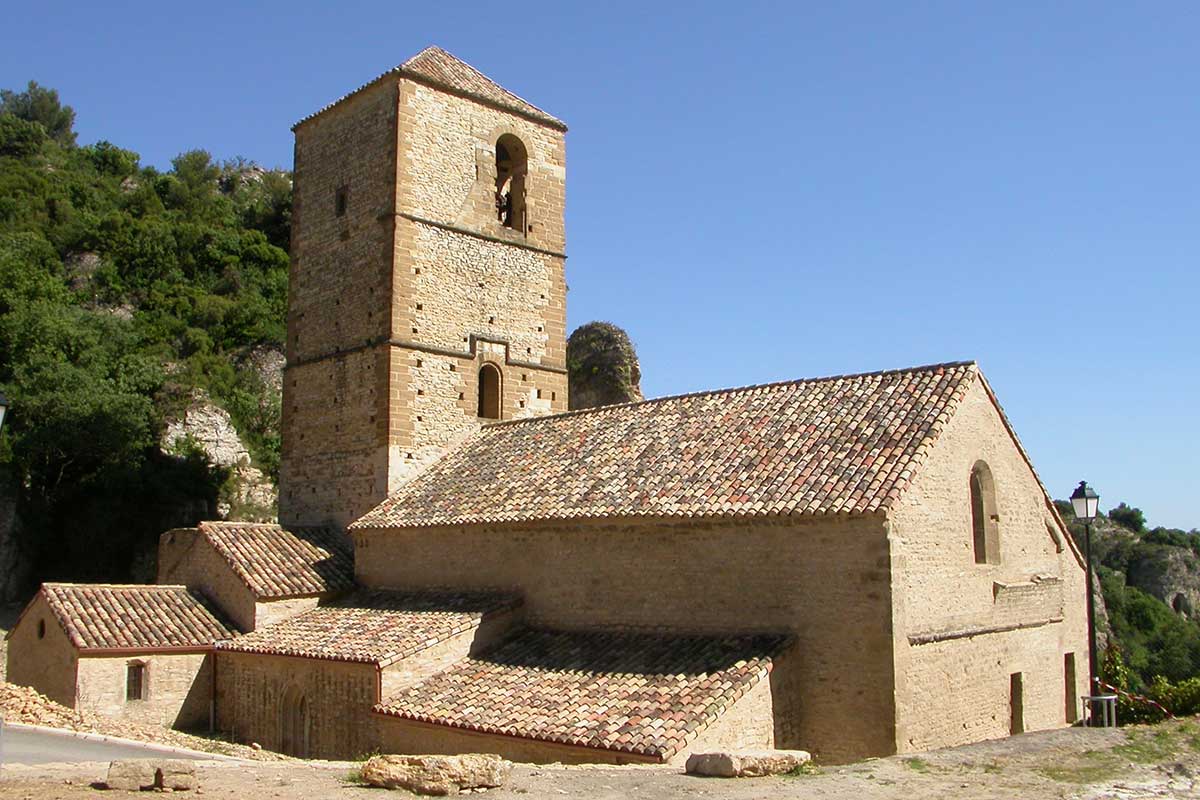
135 682
340 199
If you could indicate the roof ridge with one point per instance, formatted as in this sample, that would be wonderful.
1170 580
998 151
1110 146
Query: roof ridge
139 586
731 390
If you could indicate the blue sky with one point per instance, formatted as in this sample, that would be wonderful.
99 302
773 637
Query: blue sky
761 192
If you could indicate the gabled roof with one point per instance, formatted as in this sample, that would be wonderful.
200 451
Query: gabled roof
847 444
133 617
377 627
437 68
275 562
644 694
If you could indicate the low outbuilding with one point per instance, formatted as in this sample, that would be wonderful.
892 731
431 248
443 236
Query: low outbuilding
134 651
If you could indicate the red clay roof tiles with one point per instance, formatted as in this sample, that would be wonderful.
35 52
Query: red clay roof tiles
435 66
277 562
848 444
644 694
378 627
104 616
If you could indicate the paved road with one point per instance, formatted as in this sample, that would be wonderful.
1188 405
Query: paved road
20 746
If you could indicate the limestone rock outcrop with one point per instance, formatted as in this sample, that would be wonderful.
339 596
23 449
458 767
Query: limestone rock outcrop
206 425
437 775
1171 574
602 367
746 764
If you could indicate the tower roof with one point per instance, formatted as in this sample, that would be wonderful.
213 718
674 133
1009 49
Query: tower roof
435 67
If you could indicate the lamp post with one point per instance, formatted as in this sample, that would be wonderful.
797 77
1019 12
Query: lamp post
1085 502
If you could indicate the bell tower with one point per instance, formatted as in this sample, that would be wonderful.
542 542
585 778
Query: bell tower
426 292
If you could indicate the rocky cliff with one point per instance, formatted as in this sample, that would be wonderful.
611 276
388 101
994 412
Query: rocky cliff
248 494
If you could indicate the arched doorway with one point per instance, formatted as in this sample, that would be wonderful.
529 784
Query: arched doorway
293 723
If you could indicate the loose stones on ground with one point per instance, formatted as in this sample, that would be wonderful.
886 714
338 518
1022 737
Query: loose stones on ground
746 764
437 775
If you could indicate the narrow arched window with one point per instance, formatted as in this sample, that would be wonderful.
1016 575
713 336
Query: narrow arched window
984 519
512 165
489 392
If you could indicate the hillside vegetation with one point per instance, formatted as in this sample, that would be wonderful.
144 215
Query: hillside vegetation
122 290
1150 578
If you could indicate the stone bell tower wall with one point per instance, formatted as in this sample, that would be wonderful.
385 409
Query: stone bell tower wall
406 281
335 395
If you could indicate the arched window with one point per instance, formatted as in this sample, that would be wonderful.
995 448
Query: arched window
984 519
489 392
41 629
512 164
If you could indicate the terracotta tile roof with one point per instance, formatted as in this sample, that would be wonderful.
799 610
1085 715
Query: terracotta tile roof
435 66
276 562
101 616
848 444
643 694
377 627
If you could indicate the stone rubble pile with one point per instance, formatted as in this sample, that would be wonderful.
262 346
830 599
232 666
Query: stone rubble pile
24 705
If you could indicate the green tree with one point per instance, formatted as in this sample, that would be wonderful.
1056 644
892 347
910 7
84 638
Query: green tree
1128 517
41 105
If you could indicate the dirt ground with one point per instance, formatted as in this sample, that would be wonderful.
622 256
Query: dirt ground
1162 761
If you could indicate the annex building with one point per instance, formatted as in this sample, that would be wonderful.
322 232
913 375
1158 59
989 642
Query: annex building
856 565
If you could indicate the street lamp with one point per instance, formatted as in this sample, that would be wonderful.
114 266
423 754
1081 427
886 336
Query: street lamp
1085 502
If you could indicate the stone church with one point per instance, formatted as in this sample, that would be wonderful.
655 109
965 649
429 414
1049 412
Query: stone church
856 565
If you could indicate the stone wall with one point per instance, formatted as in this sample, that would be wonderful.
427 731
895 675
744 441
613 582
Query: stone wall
962 628
748 725
186 557
333 461
46 662
826 581
395 305
178 688
419 666
339 696
268 612
407 736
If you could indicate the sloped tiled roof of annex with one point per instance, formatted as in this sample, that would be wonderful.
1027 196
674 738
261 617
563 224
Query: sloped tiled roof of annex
284 562
133 616
435 66
638 693
847 444
374 626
